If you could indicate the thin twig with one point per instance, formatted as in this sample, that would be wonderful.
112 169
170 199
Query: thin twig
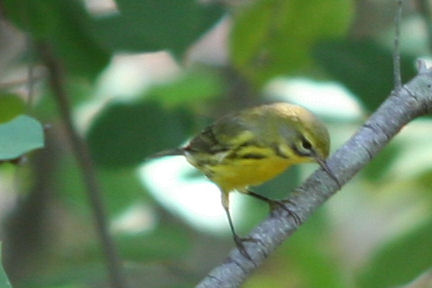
425 11
30 74
19 82
396 51
84 160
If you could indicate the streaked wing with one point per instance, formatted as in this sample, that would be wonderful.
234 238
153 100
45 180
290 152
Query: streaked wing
207 142
219 140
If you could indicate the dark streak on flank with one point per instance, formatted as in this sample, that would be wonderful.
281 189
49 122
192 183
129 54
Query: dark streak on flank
253 156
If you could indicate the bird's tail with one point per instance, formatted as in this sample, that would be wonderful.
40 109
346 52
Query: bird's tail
172 152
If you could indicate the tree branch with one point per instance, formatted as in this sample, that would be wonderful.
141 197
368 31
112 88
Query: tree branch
84 160
412 100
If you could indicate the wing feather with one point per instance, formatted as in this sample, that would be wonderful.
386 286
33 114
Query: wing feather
219 141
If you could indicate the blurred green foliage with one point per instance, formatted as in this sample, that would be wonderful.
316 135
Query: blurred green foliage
379 167
10 107
65 25
360 65
116 137
306 260
112 181
193 89
4 281
266 39
151 25
389 267
273 37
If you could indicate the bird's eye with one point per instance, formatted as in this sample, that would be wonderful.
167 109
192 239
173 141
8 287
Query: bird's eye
303 147
306 144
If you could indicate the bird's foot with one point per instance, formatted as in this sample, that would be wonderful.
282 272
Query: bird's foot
283 204
240 246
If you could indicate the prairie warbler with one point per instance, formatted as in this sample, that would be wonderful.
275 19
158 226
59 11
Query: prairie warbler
252 146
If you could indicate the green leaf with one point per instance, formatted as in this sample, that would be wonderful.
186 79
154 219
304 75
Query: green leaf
124 180
4 280
19 136
66 26
124 134
35 16
73 42
193 88
401 260
274 37
150 25
10 107
364 67
423 281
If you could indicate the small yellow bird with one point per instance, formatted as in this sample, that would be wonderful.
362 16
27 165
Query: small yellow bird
252 146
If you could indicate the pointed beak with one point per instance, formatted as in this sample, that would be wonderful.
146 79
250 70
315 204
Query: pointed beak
324 166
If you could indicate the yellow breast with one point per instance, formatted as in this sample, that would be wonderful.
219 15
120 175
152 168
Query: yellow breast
239 174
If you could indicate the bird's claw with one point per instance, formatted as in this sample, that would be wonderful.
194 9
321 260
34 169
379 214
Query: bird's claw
240 246
283 204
